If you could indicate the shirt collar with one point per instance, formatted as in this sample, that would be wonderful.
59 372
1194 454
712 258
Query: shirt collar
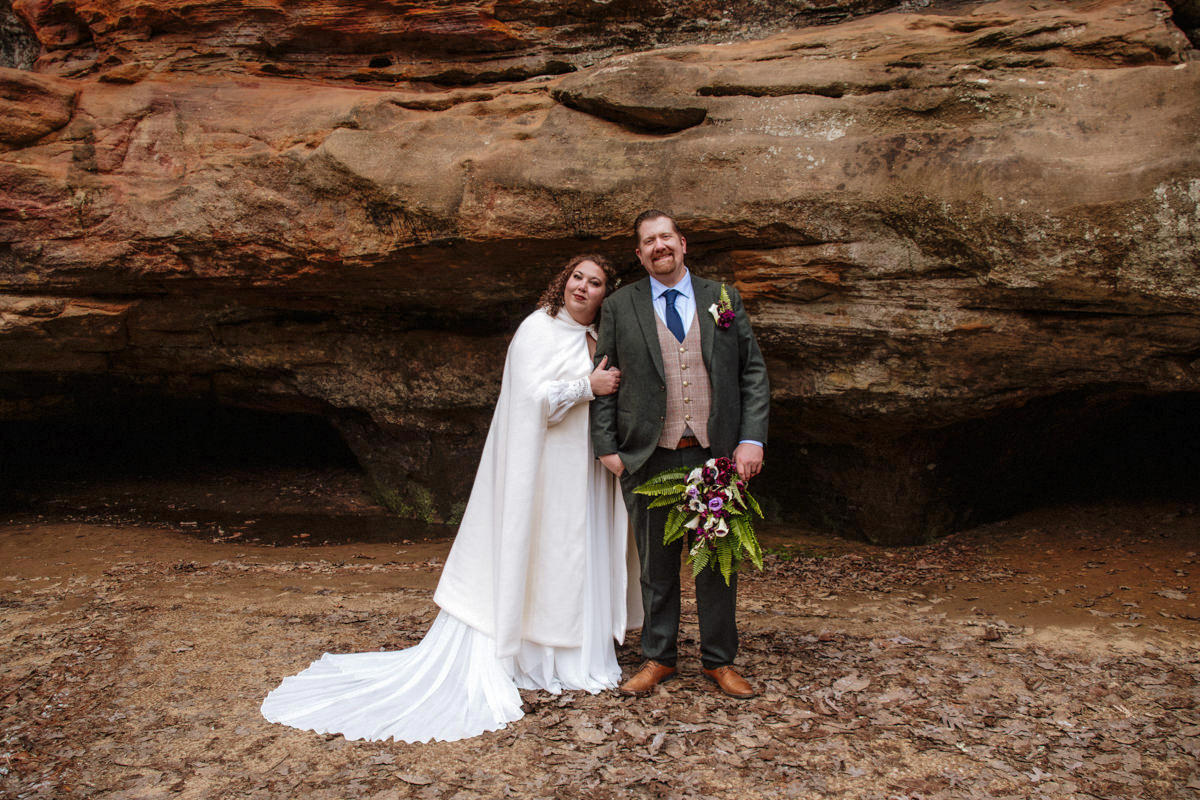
684 287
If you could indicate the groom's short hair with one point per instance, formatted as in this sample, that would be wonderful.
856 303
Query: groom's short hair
649 214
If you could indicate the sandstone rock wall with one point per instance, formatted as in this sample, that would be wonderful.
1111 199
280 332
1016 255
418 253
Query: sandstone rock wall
937 214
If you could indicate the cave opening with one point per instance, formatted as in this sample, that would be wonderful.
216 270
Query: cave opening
899 485
1079 447
140 436
194 464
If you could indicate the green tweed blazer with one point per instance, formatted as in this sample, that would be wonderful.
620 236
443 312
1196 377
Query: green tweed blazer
630 422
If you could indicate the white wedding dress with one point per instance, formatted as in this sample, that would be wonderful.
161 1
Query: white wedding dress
540 582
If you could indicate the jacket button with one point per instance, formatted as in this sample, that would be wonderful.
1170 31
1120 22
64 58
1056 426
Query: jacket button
662 388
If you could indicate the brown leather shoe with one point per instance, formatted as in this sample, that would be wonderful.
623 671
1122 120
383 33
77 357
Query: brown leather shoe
649 676
730 682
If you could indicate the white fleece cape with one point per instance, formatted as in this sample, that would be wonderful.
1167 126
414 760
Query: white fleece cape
516 569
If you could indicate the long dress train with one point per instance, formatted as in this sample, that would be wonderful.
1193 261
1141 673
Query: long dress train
544 619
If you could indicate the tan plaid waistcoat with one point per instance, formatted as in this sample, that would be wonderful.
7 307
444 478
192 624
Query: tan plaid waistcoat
688 394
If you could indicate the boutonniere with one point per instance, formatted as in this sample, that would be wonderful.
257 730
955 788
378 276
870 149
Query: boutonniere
722 310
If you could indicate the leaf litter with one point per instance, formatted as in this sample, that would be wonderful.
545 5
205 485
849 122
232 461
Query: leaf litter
134 661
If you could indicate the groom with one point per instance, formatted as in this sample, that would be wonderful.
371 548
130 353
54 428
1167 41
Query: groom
690 390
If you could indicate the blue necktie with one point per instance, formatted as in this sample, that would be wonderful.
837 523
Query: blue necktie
674 323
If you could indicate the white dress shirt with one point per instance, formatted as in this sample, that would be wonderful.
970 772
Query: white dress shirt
685 303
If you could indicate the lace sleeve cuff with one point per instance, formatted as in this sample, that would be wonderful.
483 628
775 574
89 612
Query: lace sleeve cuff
563 395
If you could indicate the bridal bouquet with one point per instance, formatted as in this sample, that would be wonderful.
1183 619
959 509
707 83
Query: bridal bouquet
712 503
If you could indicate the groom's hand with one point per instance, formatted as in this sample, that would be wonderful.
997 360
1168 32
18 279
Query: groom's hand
614 464
748 458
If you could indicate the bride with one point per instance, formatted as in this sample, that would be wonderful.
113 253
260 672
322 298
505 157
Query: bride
537 586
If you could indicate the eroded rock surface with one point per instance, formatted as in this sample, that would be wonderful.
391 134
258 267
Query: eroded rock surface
32 106
937 216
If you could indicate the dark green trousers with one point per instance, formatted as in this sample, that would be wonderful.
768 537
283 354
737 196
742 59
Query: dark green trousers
660 575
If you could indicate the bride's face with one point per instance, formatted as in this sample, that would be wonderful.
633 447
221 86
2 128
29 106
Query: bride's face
584 292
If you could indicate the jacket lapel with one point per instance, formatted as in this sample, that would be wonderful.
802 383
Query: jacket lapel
643 307
706 294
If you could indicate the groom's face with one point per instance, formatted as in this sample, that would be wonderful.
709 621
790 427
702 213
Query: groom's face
661 249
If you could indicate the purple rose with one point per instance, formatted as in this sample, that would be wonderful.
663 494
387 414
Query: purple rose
715 504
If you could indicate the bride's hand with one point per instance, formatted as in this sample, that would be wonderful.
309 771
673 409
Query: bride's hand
603 379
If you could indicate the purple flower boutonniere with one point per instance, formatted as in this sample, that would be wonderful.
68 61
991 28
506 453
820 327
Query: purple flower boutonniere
722 310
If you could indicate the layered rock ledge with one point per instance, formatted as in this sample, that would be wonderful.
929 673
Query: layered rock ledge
969 234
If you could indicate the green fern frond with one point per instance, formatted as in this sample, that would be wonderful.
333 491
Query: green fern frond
676 517
665 500
753 505
756 556
666 477
750 541
674 529
737 529
725 555
660 489
737 496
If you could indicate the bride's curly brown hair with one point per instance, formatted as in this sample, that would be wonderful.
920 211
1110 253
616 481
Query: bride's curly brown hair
552 298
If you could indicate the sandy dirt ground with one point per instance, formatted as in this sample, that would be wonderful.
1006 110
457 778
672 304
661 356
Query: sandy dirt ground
1052 655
